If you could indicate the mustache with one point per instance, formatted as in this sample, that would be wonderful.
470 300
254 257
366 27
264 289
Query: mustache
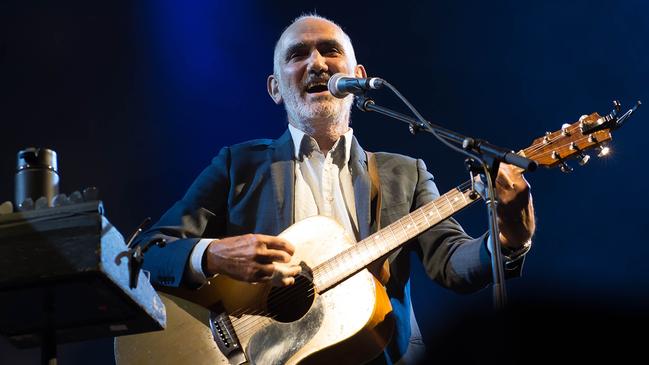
317 79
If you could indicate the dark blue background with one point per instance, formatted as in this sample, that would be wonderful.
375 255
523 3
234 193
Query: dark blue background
136 97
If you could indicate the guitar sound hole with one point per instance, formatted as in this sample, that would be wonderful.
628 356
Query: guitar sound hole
288 304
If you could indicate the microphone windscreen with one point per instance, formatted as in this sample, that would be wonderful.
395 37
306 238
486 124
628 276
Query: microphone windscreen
332 85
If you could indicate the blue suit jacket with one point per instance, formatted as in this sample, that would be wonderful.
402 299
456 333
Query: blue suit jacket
248 188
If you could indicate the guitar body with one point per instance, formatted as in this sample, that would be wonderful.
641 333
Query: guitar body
349 323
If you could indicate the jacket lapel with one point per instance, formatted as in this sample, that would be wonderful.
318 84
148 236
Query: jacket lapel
362 185
282 171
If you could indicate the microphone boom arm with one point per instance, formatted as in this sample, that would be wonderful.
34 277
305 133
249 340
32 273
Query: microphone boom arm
478 146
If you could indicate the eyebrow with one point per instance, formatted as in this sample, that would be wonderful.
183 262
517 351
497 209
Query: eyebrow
326 43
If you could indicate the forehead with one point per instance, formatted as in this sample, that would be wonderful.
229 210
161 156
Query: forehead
311 31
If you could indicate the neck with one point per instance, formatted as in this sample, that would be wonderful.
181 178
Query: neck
325 131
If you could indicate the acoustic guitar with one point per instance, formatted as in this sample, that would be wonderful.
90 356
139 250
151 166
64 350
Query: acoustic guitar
337 312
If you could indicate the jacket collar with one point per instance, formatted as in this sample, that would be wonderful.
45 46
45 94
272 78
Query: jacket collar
282 171
362 187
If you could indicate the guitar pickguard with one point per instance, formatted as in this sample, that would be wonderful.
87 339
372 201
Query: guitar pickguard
278 342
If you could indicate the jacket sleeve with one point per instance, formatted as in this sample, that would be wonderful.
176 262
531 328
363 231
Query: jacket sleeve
203 208
450 256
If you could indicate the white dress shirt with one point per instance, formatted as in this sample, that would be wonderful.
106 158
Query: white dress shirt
323 186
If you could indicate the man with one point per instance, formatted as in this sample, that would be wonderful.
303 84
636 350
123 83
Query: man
229 218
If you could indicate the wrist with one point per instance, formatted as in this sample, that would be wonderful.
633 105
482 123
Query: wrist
514 253
196 268
207 262
513 241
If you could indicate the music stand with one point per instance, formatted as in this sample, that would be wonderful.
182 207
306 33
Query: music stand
61 280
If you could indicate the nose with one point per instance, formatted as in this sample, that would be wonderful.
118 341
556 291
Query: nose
316 62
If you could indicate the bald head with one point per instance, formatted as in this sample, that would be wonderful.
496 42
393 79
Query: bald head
306 23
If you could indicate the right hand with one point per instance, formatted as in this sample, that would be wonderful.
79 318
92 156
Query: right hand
252 258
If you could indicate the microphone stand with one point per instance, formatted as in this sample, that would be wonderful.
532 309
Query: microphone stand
481 155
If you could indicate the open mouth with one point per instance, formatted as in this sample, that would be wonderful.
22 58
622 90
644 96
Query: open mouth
316 88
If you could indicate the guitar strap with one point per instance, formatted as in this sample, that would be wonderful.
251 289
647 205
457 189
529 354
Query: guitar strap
381 267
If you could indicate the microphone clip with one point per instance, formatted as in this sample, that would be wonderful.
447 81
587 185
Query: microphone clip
362 102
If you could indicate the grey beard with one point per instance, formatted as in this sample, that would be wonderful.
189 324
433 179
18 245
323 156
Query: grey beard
337 110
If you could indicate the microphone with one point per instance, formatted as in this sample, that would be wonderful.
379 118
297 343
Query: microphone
340 85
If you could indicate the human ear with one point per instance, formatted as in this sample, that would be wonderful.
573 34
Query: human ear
359 71
272 85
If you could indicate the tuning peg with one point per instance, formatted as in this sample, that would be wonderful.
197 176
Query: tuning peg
603 151
546 138
617 105
583 159
565 168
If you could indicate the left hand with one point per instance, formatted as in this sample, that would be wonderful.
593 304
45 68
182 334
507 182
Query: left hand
515 210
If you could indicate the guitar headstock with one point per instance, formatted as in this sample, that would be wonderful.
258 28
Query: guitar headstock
573 140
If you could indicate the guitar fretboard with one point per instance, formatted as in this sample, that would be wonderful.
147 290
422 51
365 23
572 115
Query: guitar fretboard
357 257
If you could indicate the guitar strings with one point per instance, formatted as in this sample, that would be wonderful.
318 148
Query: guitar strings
290 294
537 147
417 217
542 144
371 241
338 259
244 325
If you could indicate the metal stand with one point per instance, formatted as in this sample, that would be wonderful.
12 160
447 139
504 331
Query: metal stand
62 280
482 156
498 276
48 339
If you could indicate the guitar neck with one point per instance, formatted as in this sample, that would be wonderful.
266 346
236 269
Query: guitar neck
358 256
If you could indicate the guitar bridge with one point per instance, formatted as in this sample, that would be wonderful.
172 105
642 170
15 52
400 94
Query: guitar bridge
226 338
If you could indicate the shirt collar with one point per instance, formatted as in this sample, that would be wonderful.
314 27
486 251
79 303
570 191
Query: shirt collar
301 139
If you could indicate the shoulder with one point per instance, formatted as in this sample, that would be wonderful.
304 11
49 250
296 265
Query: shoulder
246 156
252 146
389 156
402 168
246 149
398 163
